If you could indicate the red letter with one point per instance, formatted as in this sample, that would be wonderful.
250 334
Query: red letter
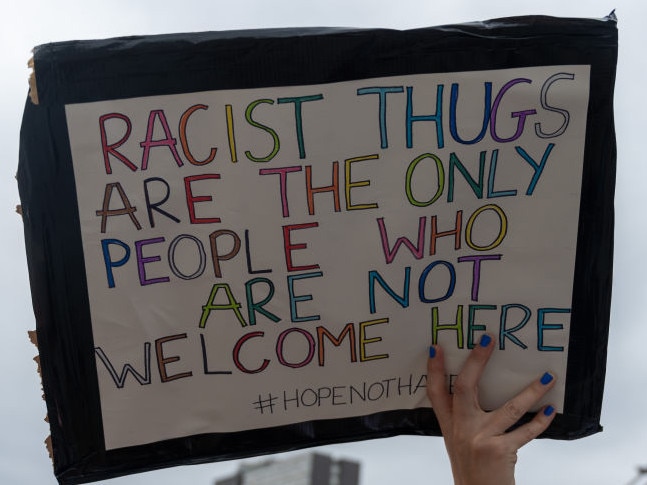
289 247
191 199
112 149
236 354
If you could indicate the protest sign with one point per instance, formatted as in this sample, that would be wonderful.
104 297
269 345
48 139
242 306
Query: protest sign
245 242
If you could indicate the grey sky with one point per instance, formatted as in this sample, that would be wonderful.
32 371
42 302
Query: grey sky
606 458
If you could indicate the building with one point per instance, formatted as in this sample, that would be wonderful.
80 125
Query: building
307 469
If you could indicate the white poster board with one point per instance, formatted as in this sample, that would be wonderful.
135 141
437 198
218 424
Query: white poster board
270 256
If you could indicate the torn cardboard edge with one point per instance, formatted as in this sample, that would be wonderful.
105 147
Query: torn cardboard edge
33 338
33 91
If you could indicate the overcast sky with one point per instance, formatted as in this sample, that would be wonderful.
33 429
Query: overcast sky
607 458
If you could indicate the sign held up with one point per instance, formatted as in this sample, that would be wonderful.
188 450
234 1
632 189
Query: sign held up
228 250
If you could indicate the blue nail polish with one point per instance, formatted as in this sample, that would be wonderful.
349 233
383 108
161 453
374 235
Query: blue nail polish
546 378
432 352
549 410
485 340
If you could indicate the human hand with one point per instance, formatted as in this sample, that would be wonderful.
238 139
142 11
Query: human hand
480 450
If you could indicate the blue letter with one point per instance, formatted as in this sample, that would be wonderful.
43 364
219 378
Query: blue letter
113 264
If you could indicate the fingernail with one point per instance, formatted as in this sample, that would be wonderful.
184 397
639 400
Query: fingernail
432 352
546 378
485 340
548 411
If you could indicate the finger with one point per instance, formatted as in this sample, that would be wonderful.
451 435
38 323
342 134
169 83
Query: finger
466 385
436 386
529 431
507 415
